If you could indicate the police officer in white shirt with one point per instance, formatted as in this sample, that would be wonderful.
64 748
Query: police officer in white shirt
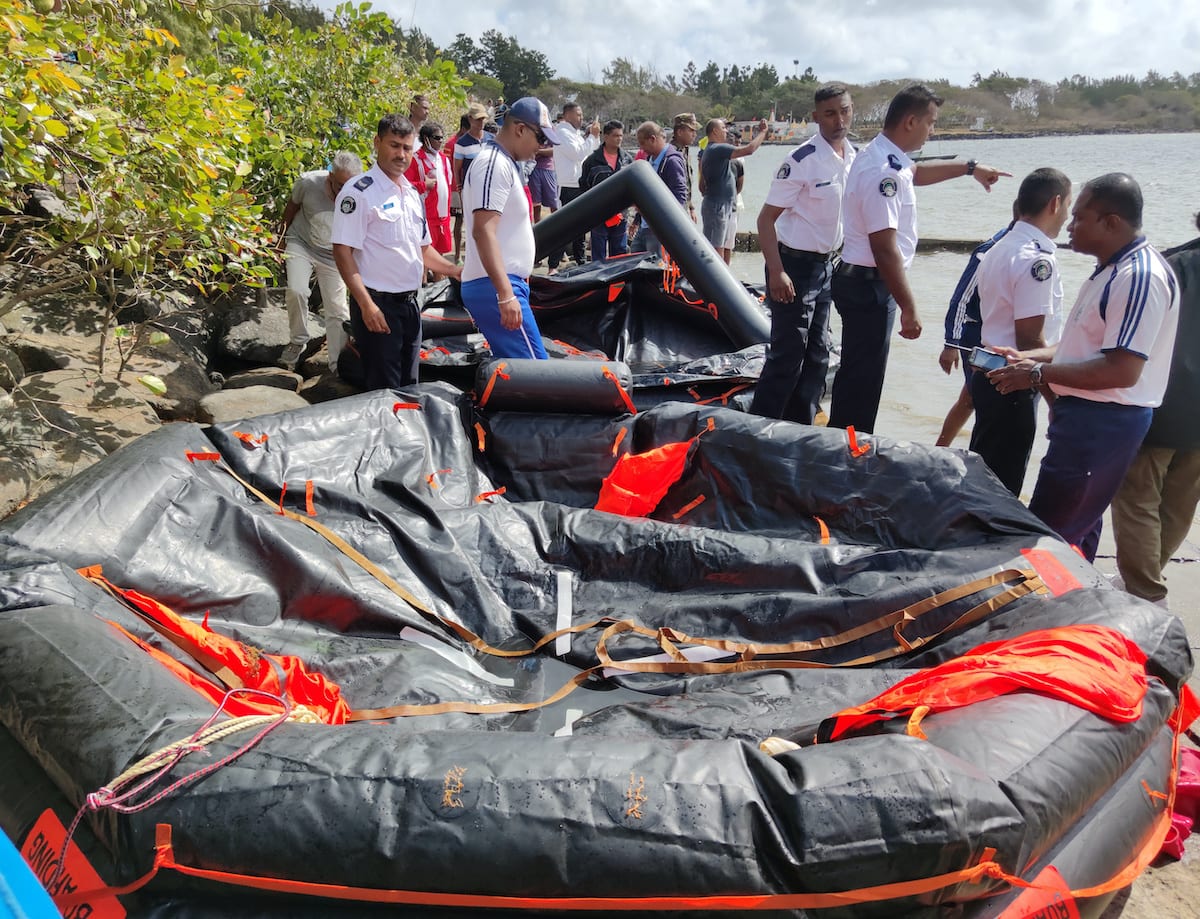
381 245
1020 306
800 231
880 222
1110 369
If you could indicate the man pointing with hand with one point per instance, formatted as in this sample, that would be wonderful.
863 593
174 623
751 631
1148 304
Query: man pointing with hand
880 223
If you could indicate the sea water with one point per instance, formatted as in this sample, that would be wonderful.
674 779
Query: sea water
916 392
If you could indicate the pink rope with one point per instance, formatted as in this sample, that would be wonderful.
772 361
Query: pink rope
115 799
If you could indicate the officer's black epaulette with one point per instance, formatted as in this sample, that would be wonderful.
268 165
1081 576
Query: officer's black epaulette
894 162
364 183
801 152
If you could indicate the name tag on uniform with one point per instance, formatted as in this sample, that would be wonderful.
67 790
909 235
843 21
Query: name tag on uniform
823 184
389 205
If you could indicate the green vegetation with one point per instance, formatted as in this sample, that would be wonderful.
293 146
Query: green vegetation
170 168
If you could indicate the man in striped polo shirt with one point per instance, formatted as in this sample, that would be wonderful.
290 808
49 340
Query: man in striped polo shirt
1110 368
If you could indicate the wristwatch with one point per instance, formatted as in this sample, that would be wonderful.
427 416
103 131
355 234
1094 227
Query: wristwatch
971 167
1035 375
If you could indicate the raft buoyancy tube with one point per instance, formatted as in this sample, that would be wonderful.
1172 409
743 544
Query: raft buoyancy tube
638 184
580 387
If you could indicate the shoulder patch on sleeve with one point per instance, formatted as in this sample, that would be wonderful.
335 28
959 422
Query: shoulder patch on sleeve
785 170
1041 269
894 162
888 187
348 205
801 152
364 183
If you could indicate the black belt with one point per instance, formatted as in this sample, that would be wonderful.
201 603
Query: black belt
806 255
866 272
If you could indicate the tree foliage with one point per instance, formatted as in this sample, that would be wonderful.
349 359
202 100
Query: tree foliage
149 157
171 169
501 56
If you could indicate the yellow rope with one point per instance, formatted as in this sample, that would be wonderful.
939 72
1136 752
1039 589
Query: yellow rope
217 732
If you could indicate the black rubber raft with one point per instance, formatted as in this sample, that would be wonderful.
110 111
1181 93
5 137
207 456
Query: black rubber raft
414 548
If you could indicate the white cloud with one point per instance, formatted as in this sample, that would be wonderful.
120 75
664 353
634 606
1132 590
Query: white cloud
852 41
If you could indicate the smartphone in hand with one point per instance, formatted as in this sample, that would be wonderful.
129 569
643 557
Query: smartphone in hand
985 360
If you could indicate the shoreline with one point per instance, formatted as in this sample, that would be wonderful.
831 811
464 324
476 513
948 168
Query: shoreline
747 241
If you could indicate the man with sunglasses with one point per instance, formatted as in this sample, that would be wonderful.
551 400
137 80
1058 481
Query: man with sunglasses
500 246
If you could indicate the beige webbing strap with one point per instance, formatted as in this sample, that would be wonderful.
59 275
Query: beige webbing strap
668 639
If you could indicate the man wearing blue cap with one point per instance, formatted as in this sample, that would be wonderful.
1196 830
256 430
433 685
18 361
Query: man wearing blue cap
500 247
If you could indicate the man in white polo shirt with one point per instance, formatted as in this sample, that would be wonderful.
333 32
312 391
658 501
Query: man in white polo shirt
381 245
1109 370
879 215
575 145
500 246
799 232
1020 306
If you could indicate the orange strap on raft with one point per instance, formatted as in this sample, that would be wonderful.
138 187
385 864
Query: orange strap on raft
986 868
824 530
498 371
689 507
249 440
617 440
1093 667
609 375
856 449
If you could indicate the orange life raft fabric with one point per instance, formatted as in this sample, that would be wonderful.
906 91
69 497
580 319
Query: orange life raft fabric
640 480
233 662
1094 667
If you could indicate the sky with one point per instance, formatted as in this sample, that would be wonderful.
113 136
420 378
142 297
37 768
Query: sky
855 42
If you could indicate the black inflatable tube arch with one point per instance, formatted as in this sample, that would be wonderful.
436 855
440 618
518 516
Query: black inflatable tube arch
737 312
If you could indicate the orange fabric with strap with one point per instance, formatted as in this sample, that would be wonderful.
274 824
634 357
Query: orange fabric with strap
1091 666
639 481
234 662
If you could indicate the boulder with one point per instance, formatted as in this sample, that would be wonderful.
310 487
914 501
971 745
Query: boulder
236 404
111 414
186 380
327 387
265 376
11 368
257 331
44 445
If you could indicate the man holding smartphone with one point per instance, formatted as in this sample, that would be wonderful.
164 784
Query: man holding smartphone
1110 369
1020 305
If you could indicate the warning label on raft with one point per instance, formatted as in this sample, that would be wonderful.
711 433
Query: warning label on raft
41 851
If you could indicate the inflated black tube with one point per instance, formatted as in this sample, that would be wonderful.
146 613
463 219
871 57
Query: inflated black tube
737 312
578 387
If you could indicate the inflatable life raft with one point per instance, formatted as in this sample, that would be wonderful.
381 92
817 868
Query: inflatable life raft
687 329
385 656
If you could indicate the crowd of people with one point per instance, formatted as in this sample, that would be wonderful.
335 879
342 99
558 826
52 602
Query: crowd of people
838 231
